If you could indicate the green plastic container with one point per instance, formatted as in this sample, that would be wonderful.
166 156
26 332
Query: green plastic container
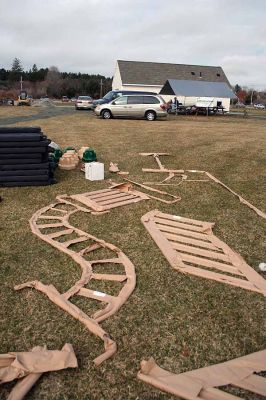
57 154
69 148
89 155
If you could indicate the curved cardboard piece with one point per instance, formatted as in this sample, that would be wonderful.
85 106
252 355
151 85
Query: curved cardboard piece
56 216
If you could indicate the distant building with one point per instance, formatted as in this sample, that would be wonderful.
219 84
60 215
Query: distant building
153 76
190 93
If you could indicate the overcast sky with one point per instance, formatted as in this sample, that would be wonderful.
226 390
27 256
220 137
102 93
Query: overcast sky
90 35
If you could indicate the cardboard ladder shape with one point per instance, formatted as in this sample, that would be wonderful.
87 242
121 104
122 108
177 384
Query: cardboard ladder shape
201 384
106 199
56 217
189 245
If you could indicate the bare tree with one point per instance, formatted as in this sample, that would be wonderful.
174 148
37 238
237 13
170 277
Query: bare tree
54 82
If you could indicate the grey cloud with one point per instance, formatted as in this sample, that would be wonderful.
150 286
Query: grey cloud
89 35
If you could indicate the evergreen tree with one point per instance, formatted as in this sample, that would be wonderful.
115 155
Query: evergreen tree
237 88
34 74
42 73
16 70
3 74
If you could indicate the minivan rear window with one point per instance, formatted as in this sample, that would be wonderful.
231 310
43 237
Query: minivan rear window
150 100
135 100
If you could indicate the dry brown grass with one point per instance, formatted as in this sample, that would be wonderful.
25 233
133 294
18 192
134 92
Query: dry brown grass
250 110
183 321
14 111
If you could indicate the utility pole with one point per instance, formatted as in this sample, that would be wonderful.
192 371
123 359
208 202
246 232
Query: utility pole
21 83
101 88
251 98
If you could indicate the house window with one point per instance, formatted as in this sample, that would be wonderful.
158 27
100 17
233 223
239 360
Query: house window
192 73
200 75
218 74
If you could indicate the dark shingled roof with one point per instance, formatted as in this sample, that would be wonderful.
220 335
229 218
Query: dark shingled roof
152 73
197 89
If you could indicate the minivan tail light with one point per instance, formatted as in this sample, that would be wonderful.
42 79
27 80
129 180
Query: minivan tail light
163 106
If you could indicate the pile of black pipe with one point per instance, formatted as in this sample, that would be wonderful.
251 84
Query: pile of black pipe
24 157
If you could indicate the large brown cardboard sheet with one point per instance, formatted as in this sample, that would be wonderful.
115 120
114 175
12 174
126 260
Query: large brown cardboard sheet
30 365
203 383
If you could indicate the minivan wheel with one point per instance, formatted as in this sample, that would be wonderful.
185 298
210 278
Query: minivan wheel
150 115
106 114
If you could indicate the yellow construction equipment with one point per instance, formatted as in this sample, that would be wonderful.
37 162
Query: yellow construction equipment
24 99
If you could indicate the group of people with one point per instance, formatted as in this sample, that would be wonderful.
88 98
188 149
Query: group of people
172 105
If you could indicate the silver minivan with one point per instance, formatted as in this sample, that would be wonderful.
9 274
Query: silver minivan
134 106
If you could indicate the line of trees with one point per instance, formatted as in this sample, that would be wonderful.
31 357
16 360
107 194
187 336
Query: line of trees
50 81
247 95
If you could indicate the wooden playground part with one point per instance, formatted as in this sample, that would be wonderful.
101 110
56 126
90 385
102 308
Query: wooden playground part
202 384
241 199
162 168
183 178
81 151
106 199
190 246
55 217
175 198
30 365
113 167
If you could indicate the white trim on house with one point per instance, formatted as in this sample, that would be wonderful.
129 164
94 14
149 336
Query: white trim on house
117 81
141 84
142 88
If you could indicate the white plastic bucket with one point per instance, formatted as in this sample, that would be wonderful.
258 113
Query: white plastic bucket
94 171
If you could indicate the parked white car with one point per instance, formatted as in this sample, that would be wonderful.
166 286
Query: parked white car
239 104
134 106
259 106
84 102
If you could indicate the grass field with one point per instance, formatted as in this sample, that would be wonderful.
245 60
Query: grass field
184 322
14 111
250 110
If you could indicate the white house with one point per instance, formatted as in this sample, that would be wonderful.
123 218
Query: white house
152 77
